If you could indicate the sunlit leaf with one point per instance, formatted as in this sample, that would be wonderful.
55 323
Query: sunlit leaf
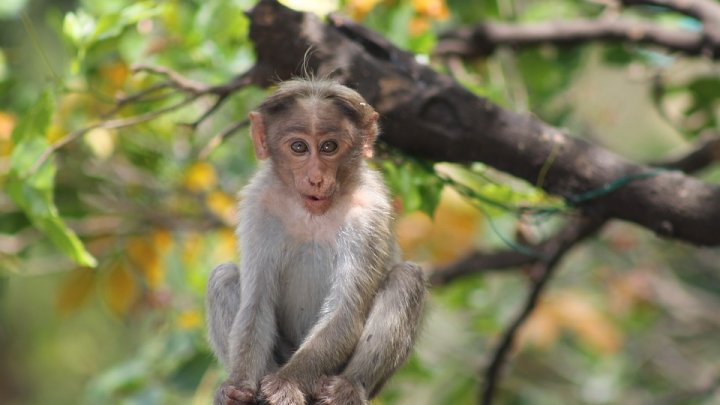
120 289
146 253
33 190
101 142
7 124
200 176
75 290
191 319
358 9
576 312
435 9
222 205
320 7
446 237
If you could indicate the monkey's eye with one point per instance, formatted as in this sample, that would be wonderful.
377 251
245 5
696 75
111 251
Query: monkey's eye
328 147
299 147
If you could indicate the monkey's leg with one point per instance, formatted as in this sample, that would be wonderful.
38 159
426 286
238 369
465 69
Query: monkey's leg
222 303
386 341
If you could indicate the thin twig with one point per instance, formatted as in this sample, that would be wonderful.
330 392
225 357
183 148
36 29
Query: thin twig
176 79
221 136
191 88
109 124
216 105
137 97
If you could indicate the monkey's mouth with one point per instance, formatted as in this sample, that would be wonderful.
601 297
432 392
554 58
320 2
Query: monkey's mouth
317 204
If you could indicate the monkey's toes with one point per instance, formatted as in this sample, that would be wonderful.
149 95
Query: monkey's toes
339 390
277 390
228 394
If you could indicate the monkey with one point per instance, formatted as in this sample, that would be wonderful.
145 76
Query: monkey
321 309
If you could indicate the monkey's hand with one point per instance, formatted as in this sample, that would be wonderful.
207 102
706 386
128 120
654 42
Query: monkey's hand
278 390
234 394
338 390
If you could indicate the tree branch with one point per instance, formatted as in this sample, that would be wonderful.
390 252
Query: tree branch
429 115
577 230
192 90
707 11
483 39
706 152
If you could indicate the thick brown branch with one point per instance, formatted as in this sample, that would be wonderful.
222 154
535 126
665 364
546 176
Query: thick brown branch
706 152
429 115
483 39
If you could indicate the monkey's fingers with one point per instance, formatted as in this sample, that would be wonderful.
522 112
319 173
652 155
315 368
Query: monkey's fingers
232 395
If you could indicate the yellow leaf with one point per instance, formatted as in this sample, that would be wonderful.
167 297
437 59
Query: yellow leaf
101 142
114 75
225 248
162 239
419 25
446 238
120 289
75 290
200 177
630 290
541 329
413 230
455 225
358 9
55 132
222 205
577 313
7 124
436 9
191 248
144 253
190 319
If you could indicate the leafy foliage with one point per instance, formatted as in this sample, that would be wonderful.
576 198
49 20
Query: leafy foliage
140 205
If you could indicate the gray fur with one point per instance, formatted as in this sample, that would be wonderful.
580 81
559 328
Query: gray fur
347 306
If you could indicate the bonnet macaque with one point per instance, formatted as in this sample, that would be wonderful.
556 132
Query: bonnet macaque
321 309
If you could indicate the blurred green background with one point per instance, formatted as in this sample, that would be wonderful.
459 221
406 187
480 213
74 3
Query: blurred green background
628 319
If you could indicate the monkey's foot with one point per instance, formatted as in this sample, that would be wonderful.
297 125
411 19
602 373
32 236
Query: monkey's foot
229 394
277 390
338 390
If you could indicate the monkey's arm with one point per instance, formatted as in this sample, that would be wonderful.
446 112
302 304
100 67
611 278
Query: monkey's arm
331 342
253 331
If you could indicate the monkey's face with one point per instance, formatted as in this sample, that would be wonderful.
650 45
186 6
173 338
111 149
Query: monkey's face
315 151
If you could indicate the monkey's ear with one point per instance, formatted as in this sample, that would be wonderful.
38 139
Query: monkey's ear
257 132
370 137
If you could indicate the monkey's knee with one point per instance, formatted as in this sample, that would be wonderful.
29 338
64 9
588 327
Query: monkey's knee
222 303
222 277
409 280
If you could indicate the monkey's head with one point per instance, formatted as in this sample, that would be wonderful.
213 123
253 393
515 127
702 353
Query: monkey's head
316 133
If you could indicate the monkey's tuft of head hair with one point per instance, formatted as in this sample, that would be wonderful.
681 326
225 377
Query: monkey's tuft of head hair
349 101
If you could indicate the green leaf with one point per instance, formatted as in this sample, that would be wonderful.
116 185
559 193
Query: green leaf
32 190
417 186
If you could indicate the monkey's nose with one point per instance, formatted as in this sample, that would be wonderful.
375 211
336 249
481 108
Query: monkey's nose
317 182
